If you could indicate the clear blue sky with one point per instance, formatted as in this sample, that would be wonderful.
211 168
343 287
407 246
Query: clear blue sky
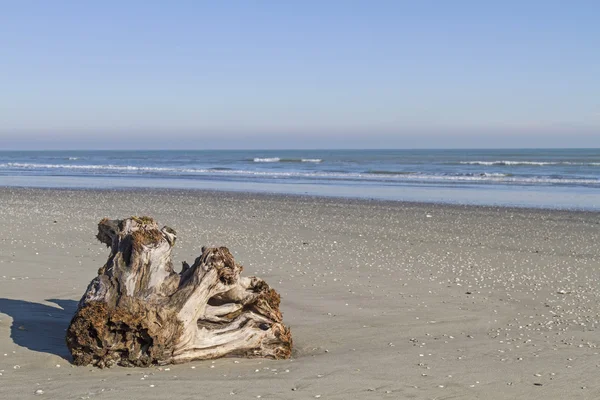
310 74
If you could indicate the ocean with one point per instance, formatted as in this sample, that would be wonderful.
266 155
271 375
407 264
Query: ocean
547 178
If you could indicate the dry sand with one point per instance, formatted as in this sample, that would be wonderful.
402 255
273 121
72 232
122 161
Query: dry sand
385 300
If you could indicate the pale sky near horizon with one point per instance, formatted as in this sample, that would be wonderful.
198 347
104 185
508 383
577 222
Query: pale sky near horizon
299 74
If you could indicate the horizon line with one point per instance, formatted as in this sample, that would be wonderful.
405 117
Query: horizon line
317 149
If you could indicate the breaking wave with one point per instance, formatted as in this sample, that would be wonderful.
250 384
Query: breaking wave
369 175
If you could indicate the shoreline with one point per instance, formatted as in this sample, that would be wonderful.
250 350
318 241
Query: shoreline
530 178
336 198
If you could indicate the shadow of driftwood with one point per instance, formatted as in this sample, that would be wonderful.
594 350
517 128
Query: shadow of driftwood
40 327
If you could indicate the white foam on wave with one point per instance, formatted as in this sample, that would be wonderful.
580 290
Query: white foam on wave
269 159
277 159
508 163
491 174
537 163
84 167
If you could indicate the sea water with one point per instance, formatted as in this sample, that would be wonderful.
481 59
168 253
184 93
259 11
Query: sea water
551 178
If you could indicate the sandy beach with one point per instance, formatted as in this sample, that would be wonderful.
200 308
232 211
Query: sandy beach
384 299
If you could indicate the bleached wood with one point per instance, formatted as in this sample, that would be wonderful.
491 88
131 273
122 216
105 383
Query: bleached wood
139 312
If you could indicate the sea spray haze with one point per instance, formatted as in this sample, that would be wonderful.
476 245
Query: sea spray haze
339 171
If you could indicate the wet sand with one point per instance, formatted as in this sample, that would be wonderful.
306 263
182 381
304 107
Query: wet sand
385 299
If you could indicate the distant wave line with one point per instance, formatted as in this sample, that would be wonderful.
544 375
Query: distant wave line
271 159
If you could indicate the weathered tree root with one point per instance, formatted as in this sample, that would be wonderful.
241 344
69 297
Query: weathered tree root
139 312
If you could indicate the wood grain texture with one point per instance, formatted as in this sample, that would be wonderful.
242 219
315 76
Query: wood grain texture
139 312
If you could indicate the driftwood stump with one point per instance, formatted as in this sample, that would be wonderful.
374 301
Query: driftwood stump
139 312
